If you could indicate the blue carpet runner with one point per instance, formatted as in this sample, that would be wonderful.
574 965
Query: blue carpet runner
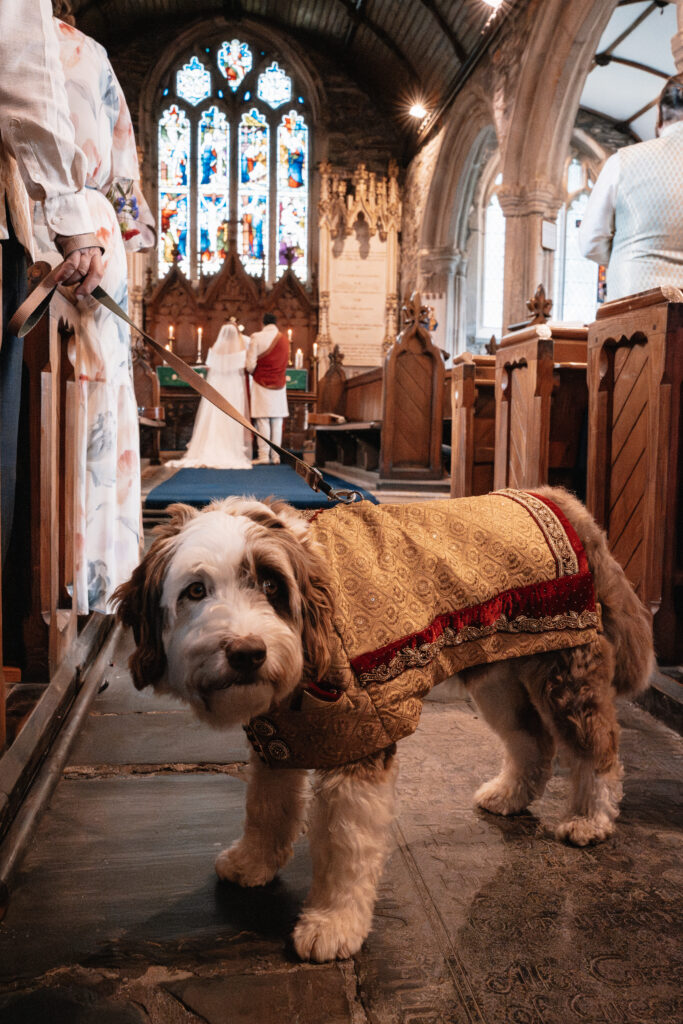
200 486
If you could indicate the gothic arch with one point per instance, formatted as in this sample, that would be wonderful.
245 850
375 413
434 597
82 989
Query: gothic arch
468 146
535 141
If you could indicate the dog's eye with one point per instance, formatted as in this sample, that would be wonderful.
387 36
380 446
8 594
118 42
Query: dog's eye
269 586
196 591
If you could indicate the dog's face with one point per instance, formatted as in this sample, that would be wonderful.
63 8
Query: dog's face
230 609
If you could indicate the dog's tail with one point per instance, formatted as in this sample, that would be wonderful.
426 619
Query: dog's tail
626 621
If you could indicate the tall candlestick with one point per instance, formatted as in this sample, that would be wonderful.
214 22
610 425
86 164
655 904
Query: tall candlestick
299 360
199 344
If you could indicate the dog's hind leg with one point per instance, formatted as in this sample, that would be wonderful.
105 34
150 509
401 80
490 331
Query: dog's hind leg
529 747
276 810
577 698
349 834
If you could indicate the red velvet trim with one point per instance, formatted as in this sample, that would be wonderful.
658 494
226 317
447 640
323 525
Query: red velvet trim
572 535
537 600
328 695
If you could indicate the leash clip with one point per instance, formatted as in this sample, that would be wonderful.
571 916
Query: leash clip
345 497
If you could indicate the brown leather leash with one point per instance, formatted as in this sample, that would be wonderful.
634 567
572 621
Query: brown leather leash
35 306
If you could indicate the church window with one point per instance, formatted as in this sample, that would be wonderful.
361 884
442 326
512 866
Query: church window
274 86
193 82
292 191
213 153
491 317
233 164
575 291
174 156
253 192
234 62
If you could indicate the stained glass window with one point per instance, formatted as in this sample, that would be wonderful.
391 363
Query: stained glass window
274 86
174 159
193 82
292 194
232 170
253 192
234 62
213 155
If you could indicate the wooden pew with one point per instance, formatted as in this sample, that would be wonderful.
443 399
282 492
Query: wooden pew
541 405
51 621
473 405
151 413
393 415
635 449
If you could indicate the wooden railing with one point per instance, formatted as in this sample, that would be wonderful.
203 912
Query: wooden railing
51 416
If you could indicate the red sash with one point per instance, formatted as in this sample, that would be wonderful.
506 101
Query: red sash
271 366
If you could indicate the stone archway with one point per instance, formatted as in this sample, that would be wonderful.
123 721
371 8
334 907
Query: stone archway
542 111
467 146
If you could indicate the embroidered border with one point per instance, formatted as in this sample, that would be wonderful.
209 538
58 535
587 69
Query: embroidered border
548 605
553 528
418 657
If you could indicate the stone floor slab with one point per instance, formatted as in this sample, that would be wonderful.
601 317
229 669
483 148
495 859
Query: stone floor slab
479 920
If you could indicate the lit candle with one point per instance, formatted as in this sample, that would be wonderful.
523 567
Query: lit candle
299 360
199 344
289 333
170 332
315 349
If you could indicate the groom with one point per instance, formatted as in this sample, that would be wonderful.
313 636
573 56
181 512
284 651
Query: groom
267 362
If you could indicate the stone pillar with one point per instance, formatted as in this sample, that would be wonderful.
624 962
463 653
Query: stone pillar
441 273
677 41
136 279
527 264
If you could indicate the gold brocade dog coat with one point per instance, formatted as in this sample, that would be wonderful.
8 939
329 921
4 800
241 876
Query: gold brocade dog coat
421 592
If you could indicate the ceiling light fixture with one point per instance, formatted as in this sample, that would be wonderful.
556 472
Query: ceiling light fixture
417 110
493 3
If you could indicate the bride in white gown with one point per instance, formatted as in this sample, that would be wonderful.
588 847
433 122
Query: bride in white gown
217 441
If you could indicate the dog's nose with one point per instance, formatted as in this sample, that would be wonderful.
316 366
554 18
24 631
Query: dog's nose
245 655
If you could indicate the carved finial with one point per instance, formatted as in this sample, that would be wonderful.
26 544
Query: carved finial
492 345
414 312
539 306
336 356
289 253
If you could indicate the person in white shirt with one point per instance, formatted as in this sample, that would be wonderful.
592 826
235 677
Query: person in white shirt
633 221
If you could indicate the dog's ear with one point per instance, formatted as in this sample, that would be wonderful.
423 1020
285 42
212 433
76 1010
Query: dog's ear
313 578
138 605
179 516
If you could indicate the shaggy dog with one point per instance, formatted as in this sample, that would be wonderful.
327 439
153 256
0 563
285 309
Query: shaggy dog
231 611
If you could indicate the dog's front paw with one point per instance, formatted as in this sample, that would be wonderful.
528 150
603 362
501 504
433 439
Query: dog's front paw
329 936
585 831
503 796
247 865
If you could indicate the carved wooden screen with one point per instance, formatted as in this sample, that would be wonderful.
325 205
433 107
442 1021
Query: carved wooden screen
412 407
635 374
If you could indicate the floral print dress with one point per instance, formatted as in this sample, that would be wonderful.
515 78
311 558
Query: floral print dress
108 527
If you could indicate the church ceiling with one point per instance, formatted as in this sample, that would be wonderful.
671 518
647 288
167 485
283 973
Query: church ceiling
405 50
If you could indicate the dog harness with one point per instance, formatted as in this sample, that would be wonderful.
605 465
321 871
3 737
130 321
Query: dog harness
421 592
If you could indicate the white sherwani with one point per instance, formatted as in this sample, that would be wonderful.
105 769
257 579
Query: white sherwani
634 217
265 402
